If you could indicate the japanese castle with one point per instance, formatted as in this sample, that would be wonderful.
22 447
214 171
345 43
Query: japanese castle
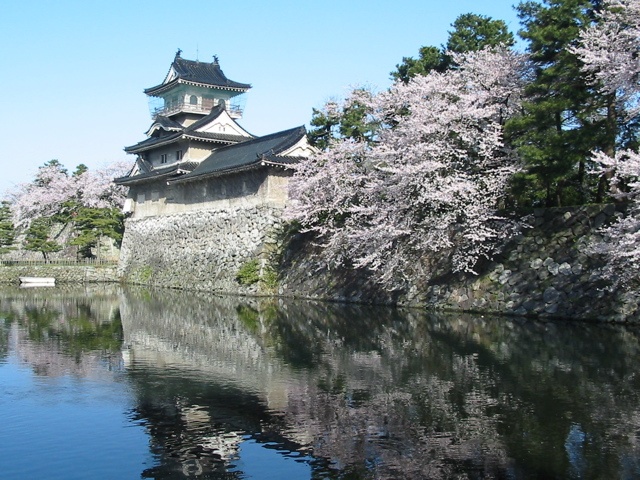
196 154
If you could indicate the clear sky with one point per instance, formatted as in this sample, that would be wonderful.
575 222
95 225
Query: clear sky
72 72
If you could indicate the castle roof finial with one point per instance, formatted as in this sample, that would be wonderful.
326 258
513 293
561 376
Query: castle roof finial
178 52
215 60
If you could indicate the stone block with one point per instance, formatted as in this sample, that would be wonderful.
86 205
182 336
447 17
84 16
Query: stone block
551 295
565 269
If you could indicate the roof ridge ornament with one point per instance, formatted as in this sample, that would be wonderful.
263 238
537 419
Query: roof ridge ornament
178 53
216 60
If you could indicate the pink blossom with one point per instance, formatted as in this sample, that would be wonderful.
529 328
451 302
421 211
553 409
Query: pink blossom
53 187
430 183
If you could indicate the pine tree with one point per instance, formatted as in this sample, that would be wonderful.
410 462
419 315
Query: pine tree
7 232
93 223
471 33
560 123
339 120
37 238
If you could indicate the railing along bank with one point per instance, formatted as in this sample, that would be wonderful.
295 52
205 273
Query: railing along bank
58 262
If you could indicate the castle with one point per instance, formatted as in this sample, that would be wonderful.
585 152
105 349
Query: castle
204 195
196 156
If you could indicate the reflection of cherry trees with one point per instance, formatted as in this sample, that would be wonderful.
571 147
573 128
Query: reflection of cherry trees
366 392
385 394
58 334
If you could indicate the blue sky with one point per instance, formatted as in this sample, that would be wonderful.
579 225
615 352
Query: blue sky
73 71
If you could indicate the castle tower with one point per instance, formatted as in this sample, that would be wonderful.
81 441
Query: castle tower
192 88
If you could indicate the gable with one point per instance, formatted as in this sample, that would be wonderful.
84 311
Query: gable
222 123
300 149
171 75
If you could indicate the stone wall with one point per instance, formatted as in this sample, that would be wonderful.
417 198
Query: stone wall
75 274
545 272
202 250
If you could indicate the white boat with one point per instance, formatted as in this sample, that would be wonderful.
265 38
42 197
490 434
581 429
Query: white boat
37 282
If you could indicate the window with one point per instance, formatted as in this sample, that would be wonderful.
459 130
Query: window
163 158
193 100
178 154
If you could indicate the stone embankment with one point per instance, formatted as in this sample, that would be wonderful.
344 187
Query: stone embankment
77 274
201 250
545 272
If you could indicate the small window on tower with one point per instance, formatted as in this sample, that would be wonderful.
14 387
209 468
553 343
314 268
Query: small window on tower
193 100
163 158
179 155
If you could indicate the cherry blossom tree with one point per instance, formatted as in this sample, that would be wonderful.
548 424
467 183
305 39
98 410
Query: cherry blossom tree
431 181
53 189
620 242
610 50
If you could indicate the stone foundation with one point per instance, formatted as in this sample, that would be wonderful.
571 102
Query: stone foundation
199 251
545 272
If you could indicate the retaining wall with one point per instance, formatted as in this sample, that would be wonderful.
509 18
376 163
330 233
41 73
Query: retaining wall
545 272
199 251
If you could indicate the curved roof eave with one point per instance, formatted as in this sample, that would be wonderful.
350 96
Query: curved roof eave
217 173
164 87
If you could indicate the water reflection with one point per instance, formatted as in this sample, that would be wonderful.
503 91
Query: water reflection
251 388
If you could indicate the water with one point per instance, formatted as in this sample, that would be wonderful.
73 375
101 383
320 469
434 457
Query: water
112 383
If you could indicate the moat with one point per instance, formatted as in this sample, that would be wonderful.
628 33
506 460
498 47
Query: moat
107 382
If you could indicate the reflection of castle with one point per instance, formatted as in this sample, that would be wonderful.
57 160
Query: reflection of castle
288 375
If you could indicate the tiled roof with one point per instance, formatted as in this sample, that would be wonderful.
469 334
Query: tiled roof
167 124
189 131
155 174
152 142
199 72
217 137
247 154
215 112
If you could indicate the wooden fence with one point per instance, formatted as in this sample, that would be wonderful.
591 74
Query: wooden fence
59 262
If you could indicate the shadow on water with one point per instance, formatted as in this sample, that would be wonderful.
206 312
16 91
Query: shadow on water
228 386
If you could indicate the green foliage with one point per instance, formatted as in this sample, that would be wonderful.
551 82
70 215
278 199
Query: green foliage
55 163
249 317
249 272
429 59
269 278
341 121
90 224
473 32
470 33
37 238
93 223
7 231
80 169
145 274
559 125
